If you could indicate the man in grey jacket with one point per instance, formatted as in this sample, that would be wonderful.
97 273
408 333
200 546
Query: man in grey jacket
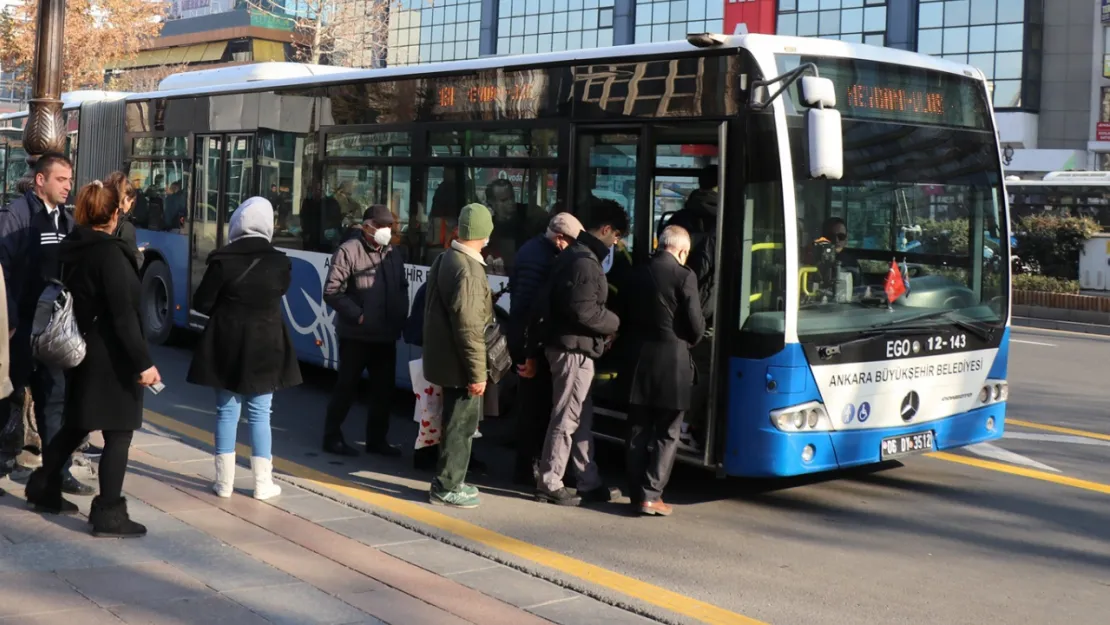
368 289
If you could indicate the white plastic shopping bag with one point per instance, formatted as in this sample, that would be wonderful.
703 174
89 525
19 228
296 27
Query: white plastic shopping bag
429 406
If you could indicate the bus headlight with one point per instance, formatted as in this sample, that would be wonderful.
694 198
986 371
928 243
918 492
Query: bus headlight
810 416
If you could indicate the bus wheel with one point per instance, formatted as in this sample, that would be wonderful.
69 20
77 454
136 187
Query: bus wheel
157 303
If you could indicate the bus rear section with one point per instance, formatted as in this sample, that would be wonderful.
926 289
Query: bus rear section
872 310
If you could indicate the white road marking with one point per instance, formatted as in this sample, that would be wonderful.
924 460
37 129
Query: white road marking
989 450
1032 343
1056 438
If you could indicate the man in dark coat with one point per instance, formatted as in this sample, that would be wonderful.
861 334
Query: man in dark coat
667 324
699 215
577 328
531 273
367 287
31 227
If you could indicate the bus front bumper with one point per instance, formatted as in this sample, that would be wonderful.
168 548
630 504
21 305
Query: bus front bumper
772 453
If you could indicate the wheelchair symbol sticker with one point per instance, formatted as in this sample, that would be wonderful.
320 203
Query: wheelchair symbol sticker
864 412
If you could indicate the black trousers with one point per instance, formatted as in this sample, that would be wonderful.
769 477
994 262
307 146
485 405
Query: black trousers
533 415
649 470
380 360
113 462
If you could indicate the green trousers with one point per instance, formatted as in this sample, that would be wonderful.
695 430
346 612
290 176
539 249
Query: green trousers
461 413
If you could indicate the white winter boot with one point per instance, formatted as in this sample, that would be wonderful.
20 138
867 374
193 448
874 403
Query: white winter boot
225 475
264 487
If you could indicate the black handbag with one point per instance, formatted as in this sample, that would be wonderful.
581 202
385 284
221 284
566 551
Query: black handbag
498 359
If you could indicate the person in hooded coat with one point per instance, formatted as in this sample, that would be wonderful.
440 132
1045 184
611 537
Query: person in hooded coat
246 352
105 391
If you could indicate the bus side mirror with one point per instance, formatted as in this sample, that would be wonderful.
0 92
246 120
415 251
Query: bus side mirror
826 144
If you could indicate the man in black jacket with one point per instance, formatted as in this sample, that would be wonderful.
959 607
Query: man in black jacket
668 322
31 227
531 272
578 329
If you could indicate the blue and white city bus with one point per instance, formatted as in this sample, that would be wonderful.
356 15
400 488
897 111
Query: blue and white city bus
808 366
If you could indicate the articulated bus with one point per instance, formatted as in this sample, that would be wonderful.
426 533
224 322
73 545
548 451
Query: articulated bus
809 365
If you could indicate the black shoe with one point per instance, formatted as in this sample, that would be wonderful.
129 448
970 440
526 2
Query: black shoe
110 520
601 494
72 486
92 450
383 449
340 448
46 497
561 497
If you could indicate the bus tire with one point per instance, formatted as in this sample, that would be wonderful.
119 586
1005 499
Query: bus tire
157 303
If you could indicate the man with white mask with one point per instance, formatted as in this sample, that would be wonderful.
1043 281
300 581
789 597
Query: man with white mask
367 287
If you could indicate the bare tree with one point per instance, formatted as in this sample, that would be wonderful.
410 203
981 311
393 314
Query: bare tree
351 33
143 79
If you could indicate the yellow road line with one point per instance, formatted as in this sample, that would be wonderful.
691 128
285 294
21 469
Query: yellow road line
1059 430
1044 476
648 593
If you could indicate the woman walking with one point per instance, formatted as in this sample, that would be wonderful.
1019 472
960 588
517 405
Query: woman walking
245 353
105 391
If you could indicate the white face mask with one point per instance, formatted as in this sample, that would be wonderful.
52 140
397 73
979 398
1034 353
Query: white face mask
382 236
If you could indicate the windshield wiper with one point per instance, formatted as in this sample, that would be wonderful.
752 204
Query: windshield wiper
982 331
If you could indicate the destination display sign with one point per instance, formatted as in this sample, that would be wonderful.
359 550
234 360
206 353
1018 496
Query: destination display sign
899 93
491 94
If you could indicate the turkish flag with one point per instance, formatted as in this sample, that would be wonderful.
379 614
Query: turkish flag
895 285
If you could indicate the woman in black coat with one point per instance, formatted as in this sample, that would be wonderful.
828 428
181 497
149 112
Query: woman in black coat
245 353
105 391
126 230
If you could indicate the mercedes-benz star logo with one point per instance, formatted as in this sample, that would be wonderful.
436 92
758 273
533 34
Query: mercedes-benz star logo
910 404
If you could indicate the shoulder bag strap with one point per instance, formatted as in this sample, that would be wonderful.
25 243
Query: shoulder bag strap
244 274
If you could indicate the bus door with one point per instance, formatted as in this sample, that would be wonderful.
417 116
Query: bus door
224 178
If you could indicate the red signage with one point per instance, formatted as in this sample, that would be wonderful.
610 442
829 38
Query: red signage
757 15
1102 131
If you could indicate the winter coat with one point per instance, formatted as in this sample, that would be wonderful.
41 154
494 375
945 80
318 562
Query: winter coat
702 263
21 255
5 358
530 275
103 392
458 307
699 215
577 319
371 284
126 231
245 347
414 326
667 323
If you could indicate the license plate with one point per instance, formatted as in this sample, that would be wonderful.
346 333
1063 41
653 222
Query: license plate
905 445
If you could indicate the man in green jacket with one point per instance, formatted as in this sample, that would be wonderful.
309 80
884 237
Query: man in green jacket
458 306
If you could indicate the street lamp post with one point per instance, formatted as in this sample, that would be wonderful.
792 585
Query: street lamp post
45 130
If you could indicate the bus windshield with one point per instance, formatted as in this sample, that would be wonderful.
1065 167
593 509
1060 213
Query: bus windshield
921 190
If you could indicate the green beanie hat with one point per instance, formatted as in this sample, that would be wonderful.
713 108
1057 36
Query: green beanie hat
475 223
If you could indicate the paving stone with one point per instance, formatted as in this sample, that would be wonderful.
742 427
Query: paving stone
67 555
215 610
150 583
219 566
38 528
300 604
146 438
177 452
311 567
513 587
373 531
24 594
315 508
587 610
397 608
85 616
225 527
438 557
160 495
156 521
13 503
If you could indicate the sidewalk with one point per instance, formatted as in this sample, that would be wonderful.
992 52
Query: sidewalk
299 559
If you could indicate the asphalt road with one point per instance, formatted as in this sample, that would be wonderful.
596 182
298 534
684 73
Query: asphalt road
927 541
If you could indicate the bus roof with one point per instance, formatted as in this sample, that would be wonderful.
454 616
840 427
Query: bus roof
74 99
1065 179
286 75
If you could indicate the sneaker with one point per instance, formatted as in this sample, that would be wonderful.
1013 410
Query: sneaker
469 490
458 498
561 497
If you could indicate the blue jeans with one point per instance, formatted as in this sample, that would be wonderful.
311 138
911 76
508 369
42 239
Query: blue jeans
228 409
